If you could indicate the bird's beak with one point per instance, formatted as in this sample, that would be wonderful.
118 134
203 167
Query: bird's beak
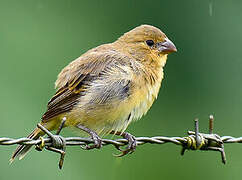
166 47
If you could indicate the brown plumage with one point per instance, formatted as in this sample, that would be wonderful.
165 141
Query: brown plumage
109 86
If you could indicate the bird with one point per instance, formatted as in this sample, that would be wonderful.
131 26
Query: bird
108 87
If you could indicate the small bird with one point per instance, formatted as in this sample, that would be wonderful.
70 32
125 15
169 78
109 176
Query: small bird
108 87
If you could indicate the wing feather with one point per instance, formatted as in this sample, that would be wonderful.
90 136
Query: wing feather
74 79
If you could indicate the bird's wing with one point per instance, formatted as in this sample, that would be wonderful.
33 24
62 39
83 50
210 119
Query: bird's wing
73 81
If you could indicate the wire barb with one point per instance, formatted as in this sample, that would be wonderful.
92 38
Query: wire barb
204 142
58 143
194 141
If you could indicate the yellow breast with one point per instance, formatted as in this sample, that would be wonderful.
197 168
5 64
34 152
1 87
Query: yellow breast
147 90
145 99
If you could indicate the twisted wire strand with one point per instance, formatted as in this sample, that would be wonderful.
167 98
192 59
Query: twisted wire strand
77 141
209 142
194 141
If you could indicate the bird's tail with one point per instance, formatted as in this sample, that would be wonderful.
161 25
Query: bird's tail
22 150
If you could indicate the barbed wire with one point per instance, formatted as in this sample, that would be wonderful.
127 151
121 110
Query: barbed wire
194 141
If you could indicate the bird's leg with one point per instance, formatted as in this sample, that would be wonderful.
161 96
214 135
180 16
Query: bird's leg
97 141
131 143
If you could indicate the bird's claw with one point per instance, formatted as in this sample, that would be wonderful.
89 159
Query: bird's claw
132 144
97 142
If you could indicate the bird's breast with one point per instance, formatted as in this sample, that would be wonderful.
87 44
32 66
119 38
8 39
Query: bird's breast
145 94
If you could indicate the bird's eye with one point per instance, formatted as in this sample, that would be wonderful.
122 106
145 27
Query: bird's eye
150 42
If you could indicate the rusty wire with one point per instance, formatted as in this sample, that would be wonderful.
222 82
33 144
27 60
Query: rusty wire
194 141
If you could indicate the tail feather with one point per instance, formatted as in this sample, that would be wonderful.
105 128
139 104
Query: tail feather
22 150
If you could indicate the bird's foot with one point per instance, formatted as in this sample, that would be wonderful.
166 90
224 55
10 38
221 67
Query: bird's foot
132 144
97 141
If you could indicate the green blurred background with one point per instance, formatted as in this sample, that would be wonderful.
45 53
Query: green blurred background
38 38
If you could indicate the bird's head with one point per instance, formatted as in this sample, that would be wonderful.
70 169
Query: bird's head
146 41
